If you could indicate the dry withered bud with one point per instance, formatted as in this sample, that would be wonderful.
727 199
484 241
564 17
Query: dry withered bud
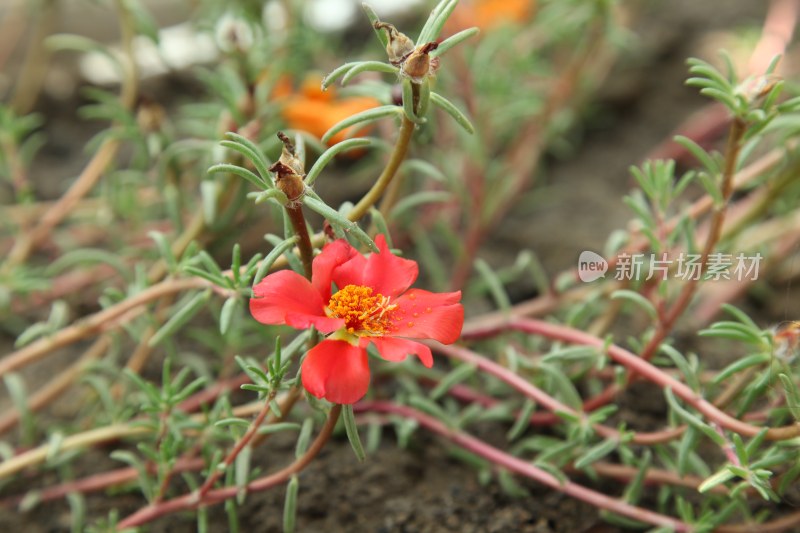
289 171
289 156
419 64
755 89
399 46
288 181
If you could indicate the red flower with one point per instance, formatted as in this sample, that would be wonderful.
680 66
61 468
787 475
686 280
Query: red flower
373 305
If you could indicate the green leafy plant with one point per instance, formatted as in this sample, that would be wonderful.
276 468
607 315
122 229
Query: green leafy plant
198 230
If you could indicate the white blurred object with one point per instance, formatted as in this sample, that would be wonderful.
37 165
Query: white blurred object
274 18
330 15
336 15
234 34
179 47
391 7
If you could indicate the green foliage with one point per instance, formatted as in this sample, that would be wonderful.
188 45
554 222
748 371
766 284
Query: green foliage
351 429
171 211
364 117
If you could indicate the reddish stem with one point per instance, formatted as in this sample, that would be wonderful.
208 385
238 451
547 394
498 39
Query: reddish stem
464 393
636 364
98 482
524 468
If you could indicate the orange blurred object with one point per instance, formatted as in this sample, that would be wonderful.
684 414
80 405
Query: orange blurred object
487 14
313 110
282 88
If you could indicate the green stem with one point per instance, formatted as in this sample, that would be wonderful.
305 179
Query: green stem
398 155
732 150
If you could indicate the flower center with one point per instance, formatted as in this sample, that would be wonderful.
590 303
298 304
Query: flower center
361 310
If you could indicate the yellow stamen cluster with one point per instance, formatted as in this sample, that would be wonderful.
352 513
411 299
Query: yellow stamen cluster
362 311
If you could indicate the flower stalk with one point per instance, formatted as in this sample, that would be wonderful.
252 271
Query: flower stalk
390 170
289 174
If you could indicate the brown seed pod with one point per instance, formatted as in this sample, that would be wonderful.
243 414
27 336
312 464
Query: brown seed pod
419 63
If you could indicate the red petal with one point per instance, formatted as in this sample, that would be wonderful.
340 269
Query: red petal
350 272
394 349
286 297
385 273
428 315
332 255
336 371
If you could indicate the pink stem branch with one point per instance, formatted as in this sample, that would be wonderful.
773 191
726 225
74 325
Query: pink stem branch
652 373
536 394
524 468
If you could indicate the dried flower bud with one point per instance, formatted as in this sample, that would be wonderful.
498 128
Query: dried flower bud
399 46
288 181
754 89
289 157
420 64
